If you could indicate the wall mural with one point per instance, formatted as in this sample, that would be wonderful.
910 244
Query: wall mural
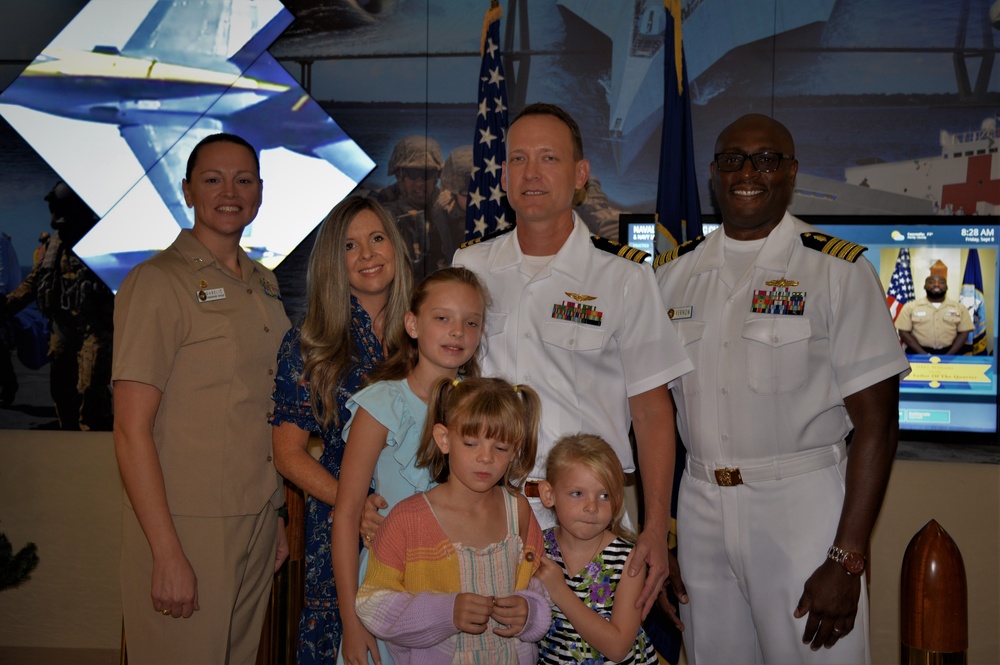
893 104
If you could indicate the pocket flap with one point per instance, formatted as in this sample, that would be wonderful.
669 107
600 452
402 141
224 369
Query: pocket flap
777 330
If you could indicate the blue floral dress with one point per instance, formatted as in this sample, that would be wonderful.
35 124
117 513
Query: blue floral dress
319 628
595 586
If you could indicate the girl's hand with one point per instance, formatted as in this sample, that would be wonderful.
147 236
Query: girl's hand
357 644
510 612
551 575
472 612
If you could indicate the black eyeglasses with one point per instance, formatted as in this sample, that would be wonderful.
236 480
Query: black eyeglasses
765 162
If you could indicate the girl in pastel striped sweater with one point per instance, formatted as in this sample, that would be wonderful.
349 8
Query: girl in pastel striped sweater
450 579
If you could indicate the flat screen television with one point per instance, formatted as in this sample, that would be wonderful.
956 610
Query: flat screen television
948 399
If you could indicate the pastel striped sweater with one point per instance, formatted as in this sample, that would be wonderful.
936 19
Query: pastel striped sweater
408 595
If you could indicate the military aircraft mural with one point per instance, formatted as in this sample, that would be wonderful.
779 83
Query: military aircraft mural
118 100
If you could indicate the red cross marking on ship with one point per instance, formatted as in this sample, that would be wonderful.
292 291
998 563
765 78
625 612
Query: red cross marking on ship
977 186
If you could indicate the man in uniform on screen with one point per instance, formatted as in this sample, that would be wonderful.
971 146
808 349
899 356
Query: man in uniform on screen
934 324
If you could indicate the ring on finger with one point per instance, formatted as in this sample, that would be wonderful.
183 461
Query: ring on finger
164 612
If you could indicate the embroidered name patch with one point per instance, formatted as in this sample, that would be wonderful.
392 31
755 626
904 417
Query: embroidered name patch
779 301
578 313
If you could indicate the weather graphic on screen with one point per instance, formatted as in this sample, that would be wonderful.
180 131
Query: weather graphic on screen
118 100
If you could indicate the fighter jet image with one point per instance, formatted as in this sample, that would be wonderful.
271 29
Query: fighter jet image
118 100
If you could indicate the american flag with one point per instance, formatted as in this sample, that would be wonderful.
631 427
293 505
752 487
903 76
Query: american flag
487 210
901 285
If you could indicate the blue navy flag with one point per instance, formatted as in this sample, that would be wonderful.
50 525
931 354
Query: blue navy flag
486 210
972 298
678 209
901 285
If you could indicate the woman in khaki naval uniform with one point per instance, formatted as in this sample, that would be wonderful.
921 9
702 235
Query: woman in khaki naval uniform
197 329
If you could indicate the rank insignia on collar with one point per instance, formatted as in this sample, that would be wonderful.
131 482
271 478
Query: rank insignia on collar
781 282
579 297
778 301
270 289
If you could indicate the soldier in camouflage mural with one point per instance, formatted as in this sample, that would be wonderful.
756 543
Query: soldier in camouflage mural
80 311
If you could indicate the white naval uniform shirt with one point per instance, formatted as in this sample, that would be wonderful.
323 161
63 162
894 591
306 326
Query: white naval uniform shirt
767 385
584 372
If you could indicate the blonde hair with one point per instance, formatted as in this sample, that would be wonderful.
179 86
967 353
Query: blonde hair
327 347
404 356
486 407
596 455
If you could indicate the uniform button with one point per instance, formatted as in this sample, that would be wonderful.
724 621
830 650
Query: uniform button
725 344
775 339
725 437
250 291
268 458
266 329
571 342
725 391
270 372
527 335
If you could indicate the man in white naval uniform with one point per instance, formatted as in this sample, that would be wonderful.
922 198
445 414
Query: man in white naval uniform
580 320
793 346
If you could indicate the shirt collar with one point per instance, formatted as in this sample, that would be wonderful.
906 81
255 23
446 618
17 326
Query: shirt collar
774 255
572 259
198 257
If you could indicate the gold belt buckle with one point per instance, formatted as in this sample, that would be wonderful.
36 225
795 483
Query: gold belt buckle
728 477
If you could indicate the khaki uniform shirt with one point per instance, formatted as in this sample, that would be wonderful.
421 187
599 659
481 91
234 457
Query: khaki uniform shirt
208 341
934 327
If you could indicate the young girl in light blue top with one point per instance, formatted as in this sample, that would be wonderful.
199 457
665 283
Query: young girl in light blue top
443 329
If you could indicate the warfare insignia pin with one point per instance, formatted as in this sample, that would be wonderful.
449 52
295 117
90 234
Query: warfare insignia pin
781 282
579 297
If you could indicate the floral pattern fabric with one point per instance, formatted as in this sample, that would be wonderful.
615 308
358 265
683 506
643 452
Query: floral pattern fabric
595 586
319 627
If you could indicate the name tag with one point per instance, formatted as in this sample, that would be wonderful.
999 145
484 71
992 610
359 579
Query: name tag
208 295
920 313
680 312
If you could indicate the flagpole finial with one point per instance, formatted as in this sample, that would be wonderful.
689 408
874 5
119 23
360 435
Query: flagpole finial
494 13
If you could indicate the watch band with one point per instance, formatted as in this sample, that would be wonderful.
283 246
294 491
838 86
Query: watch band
853 562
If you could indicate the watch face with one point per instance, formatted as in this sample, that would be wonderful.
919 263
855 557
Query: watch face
854 563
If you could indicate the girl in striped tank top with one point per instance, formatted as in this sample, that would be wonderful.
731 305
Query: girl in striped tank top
595 619
451 573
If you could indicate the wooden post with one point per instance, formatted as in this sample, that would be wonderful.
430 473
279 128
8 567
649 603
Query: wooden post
934 606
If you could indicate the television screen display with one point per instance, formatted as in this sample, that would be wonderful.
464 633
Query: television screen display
638 231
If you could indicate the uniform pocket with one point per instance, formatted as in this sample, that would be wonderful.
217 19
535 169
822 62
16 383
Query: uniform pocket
690 334
777 353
